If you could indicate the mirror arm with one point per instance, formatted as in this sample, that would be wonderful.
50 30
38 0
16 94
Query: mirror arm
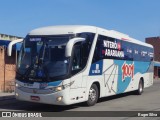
70 45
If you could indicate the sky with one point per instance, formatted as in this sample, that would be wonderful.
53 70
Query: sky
137 18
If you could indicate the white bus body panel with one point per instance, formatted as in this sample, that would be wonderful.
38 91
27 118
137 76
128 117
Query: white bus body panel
110 80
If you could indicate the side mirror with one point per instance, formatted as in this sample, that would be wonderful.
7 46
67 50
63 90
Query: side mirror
9 49
70 45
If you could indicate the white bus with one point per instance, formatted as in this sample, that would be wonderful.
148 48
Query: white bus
64 65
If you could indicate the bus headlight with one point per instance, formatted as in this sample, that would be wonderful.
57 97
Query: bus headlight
17 85
59 88
62 87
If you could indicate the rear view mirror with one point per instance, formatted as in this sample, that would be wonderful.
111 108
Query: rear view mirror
70 45
9 49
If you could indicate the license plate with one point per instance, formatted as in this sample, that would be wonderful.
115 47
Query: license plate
35 98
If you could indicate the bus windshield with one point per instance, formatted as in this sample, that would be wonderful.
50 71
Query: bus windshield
43 57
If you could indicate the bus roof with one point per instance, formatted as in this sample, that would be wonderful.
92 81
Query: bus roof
72 29
66 29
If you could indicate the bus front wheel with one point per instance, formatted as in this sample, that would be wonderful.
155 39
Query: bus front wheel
93 95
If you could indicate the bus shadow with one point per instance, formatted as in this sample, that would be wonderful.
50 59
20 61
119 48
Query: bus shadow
55 108
116 96
16 105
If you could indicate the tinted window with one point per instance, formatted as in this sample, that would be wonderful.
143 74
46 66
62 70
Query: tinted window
111 48
86 46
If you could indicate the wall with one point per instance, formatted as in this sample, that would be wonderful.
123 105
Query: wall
155 41
7 71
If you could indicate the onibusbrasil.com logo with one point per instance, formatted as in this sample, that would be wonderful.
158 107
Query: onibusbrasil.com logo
21 114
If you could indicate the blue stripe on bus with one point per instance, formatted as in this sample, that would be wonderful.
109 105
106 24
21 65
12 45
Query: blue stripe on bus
96 68
139 67
56 83
122 85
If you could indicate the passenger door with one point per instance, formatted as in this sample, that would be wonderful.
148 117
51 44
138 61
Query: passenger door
76 66
77 93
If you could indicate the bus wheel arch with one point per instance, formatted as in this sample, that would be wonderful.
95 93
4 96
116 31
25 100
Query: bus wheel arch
94 93
98 86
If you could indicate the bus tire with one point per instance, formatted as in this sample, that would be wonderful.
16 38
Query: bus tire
93 95
140 88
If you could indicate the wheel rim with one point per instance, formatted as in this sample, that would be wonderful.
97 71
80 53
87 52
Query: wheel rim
92 94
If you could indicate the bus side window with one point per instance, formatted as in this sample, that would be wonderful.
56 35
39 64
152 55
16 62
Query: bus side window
76 60
97 52
85 53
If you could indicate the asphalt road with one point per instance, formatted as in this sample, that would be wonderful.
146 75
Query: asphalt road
148 101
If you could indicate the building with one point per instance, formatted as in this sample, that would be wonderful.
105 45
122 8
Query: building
8 37
155 41
7 64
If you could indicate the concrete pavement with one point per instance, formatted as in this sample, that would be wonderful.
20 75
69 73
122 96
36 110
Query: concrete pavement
5 97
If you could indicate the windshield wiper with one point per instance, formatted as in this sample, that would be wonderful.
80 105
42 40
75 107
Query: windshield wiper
40 61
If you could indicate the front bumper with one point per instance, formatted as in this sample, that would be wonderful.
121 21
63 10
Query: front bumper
45 98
